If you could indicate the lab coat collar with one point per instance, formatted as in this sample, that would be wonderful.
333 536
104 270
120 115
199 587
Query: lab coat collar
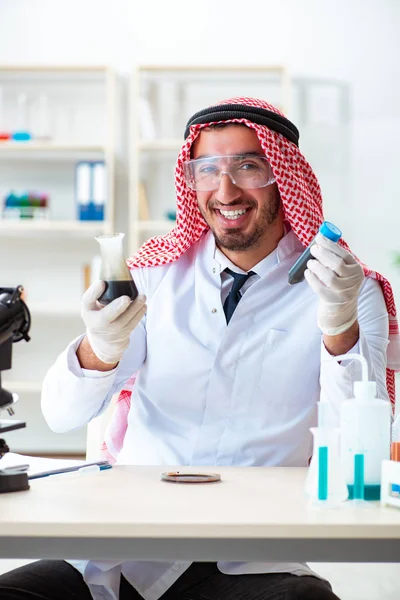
286 246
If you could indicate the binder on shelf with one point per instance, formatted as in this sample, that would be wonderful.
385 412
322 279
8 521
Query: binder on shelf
99 189
90 190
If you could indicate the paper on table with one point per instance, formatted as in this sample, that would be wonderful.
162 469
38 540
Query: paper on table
37 464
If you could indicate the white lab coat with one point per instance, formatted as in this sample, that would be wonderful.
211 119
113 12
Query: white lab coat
211 394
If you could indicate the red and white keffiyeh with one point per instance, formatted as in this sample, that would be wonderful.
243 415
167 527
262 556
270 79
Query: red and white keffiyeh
302 202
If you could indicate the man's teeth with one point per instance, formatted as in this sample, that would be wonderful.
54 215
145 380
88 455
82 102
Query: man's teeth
232 214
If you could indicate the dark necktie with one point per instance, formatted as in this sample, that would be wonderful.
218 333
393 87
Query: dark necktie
234 295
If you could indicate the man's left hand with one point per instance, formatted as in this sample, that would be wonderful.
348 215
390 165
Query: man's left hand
336 277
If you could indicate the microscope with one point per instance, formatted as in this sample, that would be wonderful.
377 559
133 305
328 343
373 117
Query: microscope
15 322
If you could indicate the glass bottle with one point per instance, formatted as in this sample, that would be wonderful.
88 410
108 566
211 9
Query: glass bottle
114 270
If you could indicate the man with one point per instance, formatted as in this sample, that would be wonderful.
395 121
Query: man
228 355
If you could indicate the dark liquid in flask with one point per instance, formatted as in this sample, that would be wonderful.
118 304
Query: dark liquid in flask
115 289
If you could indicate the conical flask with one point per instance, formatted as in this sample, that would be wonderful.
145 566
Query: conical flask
114 270
325 483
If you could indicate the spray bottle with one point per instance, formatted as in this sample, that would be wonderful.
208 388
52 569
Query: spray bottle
365 423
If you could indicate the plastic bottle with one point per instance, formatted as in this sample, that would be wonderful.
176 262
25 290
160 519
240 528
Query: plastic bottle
365 423
296 273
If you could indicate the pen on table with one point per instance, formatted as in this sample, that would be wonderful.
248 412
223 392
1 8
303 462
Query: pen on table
82 472
103 465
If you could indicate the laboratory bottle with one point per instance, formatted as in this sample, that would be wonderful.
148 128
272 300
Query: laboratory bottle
296 273
114 270
365 423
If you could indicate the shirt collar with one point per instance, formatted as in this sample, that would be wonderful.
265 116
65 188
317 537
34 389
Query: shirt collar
286 246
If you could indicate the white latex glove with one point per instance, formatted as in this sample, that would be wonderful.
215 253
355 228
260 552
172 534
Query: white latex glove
337 278
108 327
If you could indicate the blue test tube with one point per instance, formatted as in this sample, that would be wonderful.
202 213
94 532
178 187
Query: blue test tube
323 474
296 273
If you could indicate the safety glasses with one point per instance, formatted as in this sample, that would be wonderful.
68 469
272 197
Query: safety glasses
247 171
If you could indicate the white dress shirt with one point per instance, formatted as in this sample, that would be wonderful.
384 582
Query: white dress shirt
211 394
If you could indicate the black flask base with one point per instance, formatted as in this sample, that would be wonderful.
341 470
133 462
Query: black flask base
115 289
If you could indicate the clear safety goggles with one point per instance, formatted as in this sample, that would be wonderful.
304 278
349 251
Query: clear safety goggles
246 171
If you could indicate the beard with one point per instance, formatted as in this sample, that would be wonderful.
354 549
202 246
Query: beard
236 240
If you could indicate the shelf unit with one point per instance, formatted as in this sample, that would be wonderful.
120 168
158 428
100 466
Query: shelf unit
47 256
17 148
80 122
162 98
11 228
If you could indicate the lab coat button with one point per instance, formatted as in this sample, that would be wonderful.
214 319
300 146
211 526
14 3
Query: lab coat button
214 310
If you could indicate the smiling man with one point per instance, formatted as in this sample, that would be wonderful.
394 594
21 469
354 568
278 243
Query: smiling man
228 357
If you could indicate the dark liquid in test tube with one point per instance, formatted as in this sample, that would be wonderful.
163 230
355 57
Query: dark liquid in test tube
296 273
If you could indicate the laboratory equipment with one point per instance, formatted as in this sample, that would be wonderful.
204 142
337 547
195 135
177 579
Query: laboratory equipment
365 435
177 477
4 135
26 205
114 270
15 322
21 132
296 273
390 483
41 129
325 483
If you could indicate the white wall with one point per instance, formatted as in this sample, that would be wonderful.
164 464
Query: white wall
352 40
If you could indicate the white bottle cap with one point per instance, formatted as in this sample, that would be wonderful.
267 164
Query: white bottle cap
365 390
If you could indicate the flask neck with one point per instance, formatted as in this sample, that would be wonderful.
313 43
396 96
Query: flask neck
113 264
326 436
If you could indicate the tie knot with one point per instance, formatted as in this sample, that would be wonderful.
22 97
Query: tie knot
239 279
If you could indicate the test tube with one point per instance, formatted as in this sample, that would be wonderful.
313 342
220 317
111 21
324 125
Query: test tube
296 273
358 488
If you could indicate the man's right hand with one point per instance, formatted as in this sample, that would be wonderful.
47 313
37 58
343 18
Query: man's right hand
108 328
